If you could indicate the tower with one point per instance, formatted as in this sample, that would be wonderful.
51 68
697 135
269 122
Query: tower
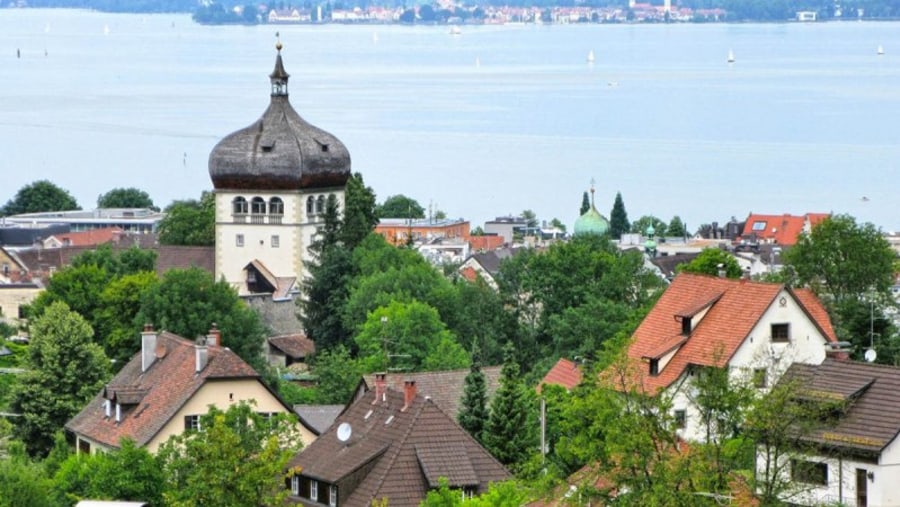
591 222
272 180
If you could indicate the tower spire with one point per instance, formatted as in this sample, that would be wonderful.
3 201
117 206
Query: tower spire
592 192
279 77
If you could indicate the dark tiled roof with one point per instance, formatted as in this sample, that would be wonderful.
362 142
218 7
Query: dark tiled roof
668 263
872 393
297 346
182 257
319 417
445 388
399 453
735 306
159 392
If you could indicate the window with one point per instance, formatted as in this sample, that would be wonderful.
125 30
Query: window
258 206
276 206
239 240
759 225
295 485
681 419
275 241
320 204
760 378
332 495
310 205
239 206
314 490
781 332
654 367
191 422
810 472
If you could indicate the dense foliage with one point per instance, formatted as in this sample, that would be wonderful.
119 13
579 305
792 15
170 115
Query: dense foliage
190 222
39 196
400 206
125 198
618 218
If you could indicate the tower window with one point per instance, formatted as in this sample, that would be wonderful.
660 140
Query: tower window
310 205
276 241
239 206
276 206
239 240
320 204
258 206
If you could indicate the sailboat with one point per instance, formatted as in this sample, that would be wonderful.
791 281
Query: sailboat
730 56
590 56
880 50
105 29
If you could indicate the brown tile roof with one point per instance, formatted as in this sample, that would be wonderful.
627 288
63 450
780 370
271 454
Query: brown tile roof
872 417
297 346
564 373
153 397
734 308
182 257
396 454
445 388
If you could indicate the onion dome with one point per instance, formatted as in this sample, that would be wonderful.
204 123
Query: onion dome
591 222
280 151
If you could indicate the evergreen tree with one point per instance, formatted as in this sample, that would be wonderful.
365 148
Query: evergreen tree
506 434
618 218
359 214
473 413
325 290
676 228
65 370
585 204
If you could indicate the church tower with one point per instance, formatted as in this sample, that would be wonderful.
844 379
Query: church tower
271 181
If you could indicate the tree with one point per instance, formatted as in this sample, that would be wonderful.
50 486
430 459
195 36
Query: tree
710 261
359 217
65 370
190 222
618 218
42 195
676 228
640 226
558 224
337 375
116 325
127 473
400 206
585 204
499 494
507 435
188 301
473 410
79 287
530 218
119 262
235 460
22 482
125 198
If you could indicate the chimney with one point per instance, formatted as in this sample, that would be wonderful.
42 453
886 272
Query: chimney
380 387
148 347
214 337
409 394
202 354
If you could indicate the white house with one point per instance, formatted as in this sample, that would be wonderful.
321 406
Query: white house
756 330
853 458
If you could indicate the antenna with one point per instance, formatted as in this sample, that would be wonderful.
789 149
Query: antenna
344 431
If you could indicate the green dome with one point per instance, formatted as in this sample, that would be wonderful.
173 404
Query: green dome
592 222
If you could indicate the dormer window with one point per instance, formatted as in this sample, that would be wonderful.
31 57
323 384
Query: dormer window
685 326
654 367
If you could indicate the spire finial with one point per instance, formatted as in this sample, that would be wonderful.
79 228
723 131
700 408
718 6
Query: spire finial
278 45
592 192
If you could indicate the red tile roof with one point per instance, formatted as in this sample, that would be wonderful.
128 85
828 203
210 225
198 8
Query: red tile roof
564 373
484 243
780 229
734 308
89 238
150 399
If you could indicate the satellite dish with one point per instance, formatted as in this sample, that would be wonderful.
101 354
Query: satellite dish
870 355
344 431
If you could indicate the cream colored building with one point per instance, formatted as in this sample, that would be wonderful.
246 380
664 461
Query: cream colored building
166 388
273 180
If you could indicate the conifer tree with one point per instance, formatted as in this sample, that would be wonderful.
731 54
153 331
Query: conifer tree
618 218
473 413
585 204
506 434
676 228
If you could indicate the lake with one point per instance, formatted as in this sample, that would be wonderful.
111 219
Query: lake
489 122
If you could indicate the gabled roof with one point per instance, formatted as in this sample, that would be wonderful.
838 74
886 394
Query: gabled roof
319 417
296 346
396 454
732 309
871 394
150 399
445 388
781 229
564 373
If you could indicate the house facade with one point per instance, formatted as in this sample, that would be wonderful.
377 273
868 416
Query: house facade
272 182
756 330
165 389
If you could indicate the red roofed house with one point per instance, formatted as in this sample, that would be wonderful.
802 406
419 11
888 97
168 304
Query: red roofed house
757 330
392 445
779 229
564 373
91 237
165 389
